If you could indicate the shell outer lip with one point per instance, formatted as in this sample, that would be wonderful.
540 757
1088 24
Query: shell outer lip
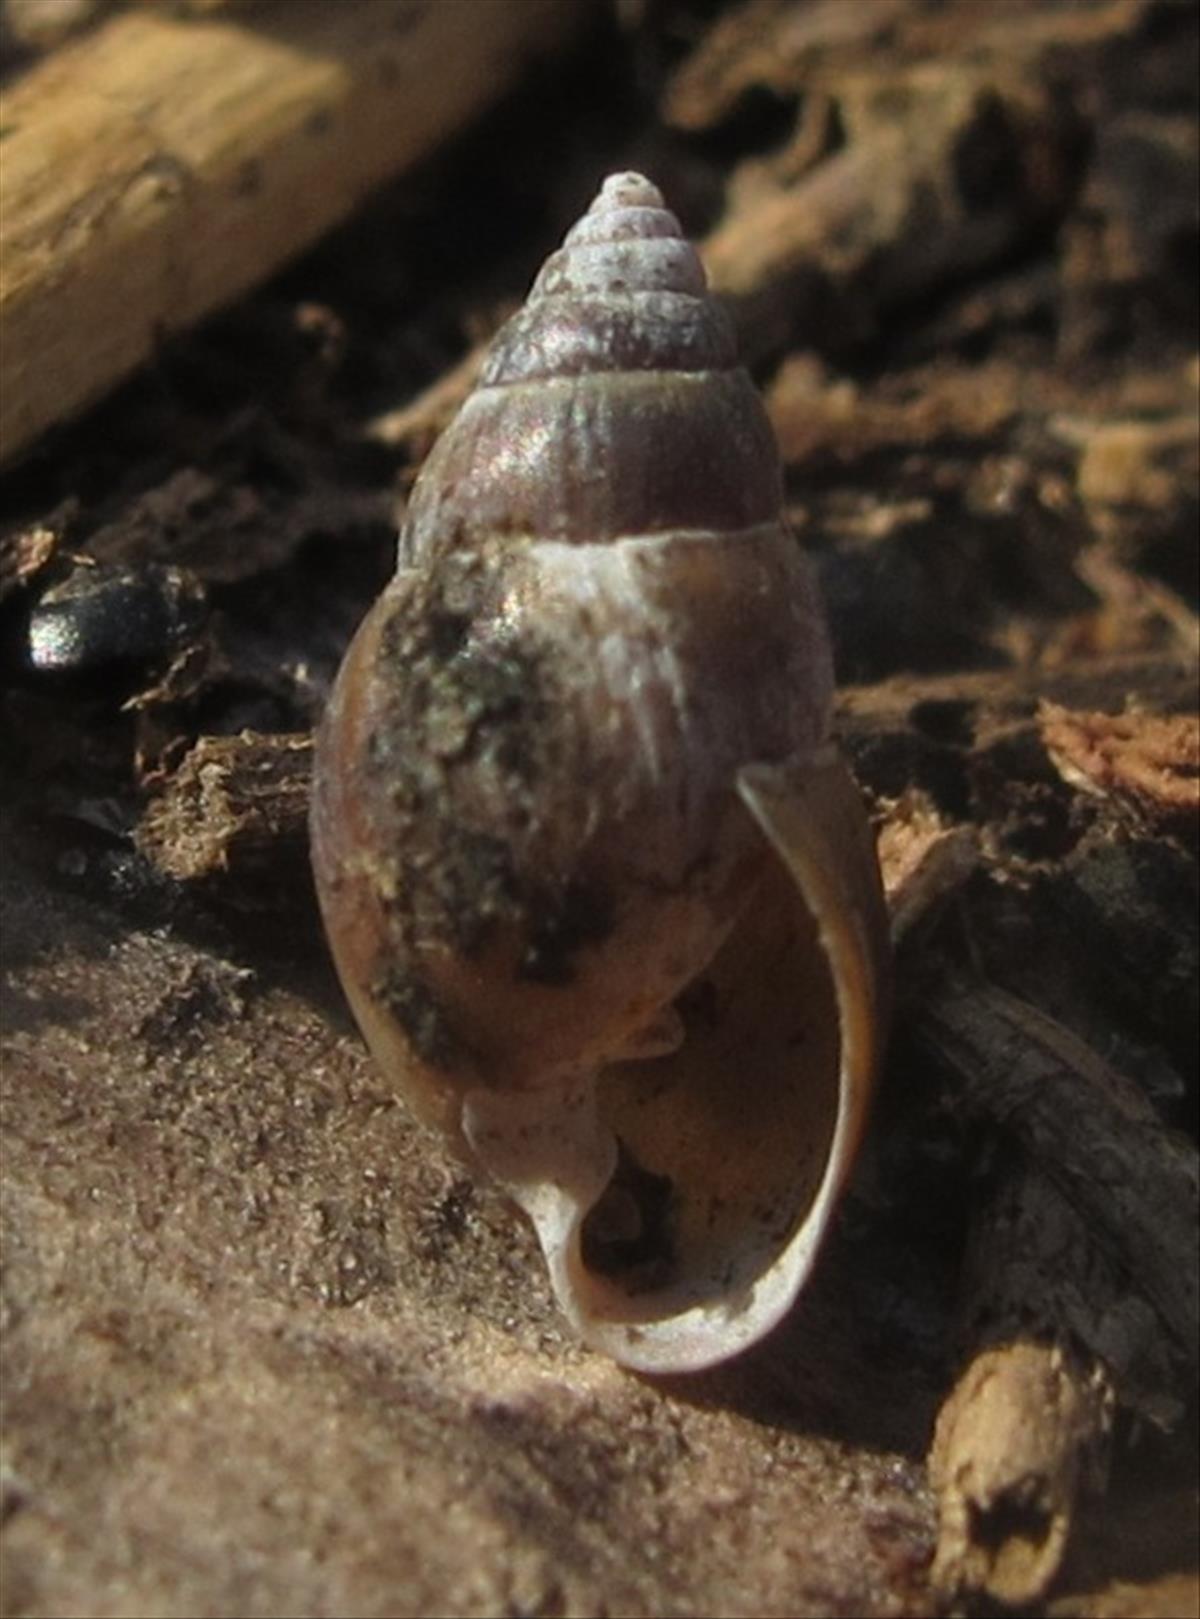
810 811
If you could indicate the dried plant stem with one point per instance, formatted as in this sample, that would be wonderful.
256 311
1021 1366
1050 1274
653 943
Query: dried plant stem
160 166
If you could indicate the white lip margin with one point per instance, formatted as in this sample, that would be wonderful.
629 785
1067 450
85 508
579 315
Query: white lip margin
780 797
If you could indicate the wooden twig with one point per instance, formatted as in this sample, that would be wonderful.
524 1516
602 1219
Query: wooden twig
1079 1289
163 164
1013 1439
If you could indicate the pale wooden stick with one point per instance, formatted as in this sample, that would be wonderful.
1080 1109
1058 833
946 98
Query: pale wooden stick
160 166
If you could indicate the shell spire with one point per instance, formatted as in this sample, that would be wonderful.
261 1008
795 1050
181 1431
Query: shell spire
529 453
626 291
600 892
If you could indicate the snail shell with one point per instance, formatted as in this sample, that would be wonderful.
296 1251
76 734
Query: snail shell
600 891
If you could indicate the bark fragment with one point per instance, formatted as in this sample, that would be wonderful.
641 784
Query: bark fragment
1149 761
237 807
1010 1444
1079 1288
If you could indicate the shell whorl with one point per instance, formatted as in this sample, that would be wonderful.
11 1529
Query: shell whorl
598 617
610 405
625 292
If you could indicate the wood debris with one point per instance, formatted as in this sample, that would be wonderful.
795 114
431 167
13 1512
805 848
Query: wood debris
165 163
236 807
1150 762
1081 1288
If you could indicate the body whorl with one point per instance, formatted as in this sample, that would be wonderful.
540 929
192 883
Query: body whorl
597 618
